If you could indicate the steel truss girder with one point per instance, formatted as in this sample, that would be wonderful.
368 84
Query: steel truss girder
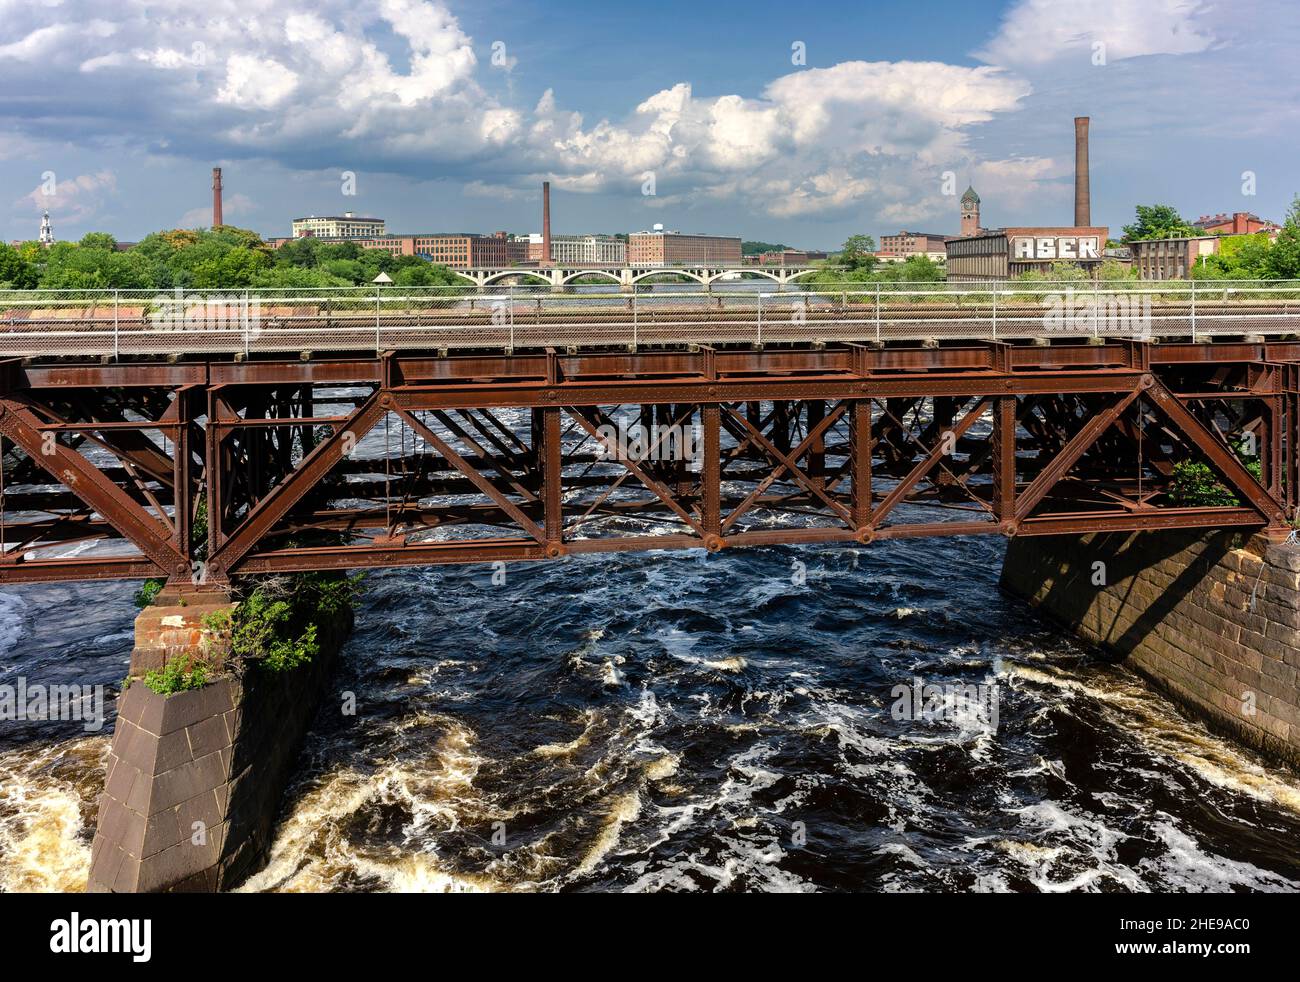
232 428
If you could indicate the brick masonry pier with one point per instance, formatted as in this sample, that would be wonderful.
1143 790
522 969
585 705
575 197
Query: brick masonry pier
194 779
1211 619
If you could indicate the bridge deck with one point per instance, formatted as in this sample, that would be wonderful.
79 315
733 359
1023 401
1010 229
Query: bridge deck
34 324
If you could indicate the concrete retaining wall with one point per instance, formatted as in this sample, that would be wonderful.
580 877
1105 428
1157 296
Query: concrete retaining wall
194 779
1178 608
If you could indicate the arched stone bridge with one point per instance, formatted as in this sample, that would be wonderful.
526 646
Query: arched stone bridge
628 276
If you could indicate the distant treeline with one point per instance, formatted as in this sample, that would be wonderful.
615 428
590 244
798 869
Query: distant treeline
221 258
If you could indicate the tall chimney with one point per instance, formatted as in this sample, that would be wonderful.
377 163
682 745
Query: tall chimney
546 223
1082 193
216 197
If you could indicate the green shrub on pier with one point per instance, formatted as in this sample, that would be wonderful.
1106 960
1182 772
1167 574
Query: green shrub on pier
178 675
276 624
1195 485
148 592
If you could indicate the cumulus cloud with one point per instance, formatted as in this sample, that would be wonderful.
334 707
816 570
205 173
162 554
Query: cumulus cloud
74 199
396 83
232 206
1038 31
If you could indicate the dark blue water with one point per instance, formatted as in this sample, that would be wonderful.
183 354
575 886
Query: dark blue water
680 721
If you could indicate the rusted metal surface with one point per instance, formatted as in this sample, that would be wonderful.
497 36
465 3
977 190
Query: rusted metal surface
112 471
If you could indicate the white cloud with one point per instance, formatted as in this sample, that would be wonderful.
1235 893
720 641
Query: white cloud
1035 32
73 199
395 87
232 206
256 83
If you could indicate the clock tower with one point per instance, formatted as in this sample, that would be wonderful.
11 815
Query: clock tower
970 213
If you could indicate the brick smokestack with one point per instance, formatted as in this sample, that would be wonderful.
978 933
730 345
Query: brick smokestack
216 197
1082 190
546 223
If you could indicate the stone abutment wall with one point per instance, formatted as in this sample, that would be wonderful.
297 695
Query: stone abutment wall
1210 618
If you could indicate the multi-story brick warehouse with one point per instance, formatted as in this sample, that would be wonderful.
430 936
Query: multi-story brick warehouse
660 248
1172 259
345 226
460 250
911 244
1240 223
998 254
577 250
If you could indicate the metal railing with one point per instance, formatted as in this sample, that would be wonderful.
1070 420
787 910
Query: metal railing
37 323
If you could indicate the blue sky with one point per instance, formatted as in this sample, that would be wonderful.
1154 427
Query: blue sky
449 113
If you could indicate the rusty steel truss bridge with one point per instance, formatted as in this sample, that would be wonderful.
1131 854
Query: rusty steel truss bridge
345 431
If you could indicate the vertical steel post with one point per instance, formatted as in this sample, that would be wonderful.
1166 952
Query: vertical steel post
552 477
711 476
181 475
860 457
1004 457
815 412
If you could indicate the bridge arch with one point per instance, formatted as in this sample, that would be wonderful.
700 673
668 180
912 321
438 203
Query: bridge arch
670 272
765 274
607 274
803 272
463 275
497 277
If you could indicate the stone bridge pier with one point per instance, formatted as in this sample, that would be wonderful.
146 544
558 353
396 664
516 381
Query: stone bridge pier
194 779
1212 619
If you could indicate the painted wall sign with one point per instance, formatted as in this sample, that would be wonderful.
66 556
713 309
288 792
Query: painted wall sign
1055 247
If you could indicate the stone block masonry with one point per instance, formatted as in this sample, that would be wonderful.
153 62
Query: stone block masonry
194 779
1210 618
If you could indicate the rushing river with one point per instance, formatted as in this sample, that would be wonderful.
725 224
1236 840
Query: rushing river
679 721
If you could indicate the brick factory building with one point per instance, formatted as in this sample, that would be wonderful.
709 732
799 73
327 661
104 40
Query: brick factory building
345 226
906 244
997 254
459 250
660 248
786 257
576 250
1239 223
1171 259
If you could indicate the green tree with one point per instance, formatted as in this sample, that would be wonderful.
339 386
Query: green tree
754 248
98 240
1114 271
1283 259
1157 222
15 271
1240 257
857 252
914 269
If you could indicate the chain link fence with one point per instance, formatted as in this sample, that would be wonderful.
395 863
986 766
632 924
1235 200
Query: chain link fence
37 323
